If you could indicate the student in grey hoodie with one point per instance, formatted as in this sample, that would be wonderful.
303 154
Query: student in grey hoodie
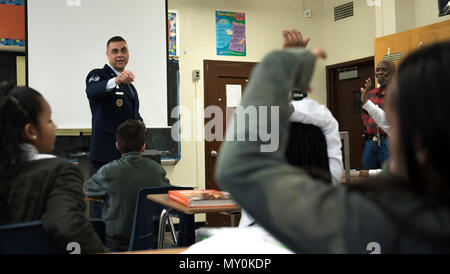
406 212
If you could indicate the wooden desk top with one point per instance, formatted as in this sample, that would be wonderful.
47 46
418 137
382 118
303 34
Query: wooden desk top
164 200
155 251
93 199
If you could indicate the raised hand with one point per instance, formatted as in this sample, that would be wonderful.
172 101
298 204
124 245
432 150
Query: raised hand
365 91
293 38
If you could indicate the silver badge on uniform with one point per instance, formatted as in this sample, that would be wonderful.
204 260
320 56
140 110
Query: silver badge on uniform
94 78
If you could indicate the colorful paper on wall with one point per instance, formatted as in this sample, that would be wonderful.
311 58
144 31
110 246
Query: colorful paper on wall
12 22
230 34
172 21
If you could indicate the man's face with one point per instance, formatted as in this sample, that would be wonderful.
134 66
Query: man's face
383 73
118 55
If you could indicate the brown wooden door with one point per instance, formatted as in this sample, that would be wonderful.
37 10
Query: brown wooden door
219 74
344 101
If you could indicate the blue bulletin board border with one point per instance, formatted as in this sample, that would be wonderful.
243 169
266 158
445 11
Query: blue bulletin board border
12 42
13 2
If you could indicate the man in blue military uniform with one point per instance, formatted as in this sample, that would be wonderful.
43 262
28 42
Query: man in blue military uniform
113 99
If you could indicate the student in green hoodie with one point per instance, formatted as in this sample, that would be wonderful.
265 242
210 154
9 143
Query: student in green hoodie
118 183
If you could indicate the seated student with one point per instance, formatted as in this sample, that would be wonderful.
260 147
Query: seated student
308 111
307 148
407 212
314 142
118 183
37 186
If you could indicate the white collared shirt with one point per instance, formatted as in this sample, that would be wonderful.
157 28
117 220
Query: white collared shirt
308 111
377 115
32 154
112 82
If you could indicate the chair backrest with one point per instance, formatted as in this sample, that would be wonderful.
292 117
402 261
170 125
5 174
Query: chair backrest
99 227
146 219
26 238
30 237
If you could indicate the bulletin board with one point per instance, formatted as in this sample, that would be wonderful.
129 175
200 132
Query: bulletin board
230 34
12 22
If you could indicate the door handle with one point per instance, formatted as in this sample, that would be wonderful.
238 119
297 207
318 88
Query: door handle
214 154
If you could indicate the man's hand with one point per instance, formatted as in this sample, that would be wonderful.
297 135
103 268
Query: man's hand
293 38
125 77
365 91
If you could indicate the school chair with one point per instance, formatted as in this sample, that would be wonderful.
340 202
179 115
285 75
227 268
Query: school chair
146 221
26 238
30 237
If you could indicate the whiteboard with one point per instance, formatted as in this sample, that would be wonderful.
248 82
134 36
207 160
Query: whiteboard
67 39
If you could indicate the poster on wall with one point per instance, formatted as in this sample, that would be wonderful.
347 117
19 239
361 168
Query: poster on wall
444 7
230 34
12 22
172 27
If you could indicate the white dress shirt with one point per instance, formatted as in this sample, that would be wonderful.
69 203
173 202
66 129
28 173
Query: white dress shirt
112 82
308 111
377 115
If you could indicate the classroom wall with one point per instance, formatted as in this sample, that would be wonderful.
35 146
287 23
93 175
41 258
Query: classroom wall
427 13
265 19
351 38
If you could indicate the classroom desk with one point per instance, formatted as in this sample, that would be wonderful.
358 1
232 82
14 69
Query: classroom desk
356 176
170 205
157 251
93 199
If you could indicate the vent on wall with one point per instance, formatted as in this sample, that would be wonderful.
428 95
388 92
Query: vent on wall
393 56
343 11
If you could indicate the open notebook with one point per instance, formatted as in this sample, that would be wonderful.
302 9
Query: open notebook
234 240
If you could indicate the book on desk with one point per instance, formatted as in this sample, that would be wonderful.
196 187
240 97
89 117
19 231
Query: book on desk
202 198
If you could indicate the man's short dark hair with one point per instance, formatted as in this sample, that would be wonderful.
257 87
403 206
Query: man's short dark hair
115 39
131 136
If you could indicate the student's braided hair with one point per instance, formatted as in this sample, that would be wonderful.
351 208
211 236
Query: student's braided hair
307 148
18 107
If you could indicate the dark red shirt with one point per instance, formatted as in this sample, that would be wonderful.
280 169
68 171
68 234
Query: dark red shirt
377 97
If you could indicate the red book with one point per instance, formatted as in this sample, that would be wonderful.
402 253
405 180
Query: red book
202 198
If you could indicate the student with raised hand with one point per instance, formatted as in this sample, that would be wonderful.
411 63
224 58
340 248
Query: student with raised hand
35 185
313 142
309 111
406 212
118 183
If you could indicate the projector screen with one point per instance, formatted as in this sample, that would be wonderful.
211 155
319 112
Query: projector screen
67 39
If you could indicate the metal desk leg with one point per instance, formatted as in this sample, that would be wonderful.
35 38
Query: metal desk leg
162 227
172 230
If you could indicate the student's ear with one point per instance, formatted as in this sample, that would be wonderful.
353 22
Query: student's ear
117 146
30 132
422 154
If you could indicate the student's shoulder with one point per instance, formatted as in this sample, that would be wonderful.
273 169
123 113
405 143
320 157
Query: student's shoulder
58 163
151 163
54 166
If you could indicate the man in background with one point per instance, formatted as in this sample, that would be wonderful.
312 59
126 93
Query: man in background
376 150
113 99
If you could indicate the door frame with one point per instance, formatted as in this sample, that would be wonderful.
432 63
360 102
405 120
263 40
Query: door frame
331 83
210 68
214 70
